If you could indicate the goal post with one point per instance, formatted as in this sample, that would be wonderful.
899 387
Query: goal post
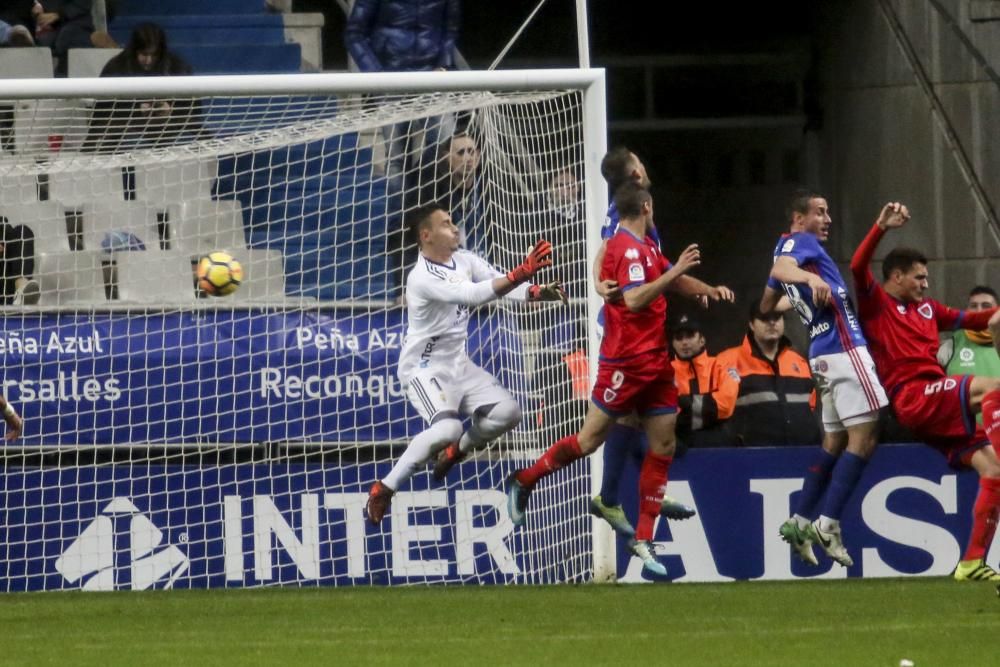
176 439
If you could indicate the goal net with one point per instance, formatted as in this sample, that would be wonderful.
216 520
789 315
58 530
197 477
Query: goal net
173 438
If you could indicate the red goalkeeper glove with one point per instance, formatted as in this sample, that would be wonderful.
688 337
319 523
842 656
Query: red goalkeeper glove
538 258
551 292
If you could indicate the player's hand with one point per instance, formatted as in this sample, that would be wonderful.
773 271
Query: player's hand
690 258
609 290
539 257
551 292
821 291
893 216
721 293
14 426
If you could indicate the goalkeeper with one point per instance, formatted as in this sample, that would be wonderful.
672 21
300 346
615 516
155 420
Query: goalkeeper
441 381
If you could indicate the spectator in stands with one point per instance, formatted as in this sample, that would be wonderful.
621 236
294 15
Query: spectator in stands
15 35
404 36
561 219
146 122
17 264
705 398
972 352
450 177
776 395
63 25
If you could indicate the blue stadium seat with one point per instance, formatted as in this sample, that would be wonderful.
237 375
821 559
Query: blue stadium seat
174 7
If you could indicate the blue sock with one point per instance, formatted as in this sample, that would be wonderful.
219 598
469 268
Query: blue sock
845 477
814 484
618 445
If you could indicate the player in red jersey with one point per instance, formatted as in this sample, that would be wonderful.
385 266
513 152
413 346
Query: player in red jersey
634 372
902 326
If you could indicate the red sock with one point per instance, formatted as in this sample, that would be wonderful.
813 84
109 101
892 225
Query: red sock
557 456
984 519
652 482
991 418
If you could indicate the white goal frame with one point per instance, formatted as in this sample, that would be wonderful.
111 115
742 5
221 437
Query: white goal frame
589 82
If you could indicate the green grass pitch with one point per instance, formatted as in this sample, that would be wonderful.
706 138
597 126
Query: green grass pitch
845 623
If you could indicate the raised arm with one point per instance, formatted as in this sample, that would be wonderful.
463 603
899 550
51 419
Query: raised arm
691 287
893 215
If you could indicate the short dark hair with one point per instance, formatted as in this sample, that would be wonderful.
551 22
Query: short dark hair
420 218
901 259
799 202
616 167
629 199
983 289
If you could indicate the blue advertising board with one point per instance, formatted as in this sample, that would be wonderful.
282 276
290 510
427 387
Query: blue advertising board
138 526
228 376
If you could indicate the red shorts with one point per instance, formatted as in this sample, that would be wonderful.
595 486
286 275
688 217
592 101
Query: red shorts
644 384
937 412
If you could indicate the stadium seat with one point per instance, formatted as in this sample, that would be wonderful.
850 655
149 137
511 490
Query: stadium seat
198 227
165 8
174 182
75 188
263 276
21 188
26 63
157 277
46 219
89 62
37 122
137 218
70 277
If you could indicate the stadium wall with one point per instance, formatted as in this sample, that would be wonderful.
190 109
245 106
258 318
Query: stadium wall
881 140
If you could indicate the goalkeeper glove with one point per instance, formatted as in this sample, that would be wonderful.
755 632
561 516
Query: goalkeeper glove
551 292
538 258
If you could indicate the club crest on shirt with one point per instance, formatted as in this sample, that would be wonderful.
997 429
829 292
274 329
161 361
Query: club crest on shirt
636 272
788 245
610 395
631 253
926 310
901 308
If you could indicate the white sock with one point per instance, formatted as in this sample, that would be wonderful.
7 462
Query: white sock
420 450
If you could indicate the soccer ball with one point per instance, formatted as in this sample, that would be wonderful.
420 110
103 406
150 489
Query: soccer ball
219 274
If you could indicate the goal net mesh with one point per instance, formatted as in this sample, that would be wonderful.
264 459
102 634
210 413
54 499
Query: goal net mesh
176 439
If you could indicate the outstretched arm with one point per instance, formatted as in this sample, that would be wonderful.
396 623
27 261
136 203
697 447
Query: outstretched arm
640 296
690 286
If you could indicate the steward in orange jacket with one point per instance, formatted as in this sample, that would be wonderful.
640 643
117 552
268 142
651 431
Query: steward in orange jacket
774 389
699 379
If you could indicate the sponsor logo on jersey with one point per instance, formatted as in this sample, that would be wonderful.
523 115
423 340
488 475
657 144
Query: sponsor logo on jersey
946 384
636 272
926 310
901 308
122 549
820 328
631 253
788 245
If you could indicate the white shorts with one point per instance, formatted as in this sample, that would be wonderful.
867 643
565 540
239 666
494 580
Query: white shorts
439 392
849 389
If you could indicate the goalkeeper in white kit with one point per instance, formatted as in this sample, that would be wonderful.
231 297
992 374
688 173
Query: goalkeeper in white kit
441 381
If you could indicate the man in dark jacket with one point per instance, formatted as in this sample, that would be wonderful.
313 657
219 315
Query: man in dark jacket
405 36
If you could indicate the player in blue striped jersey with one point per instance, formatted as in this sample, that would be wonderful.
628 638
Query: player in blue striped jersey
848 386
